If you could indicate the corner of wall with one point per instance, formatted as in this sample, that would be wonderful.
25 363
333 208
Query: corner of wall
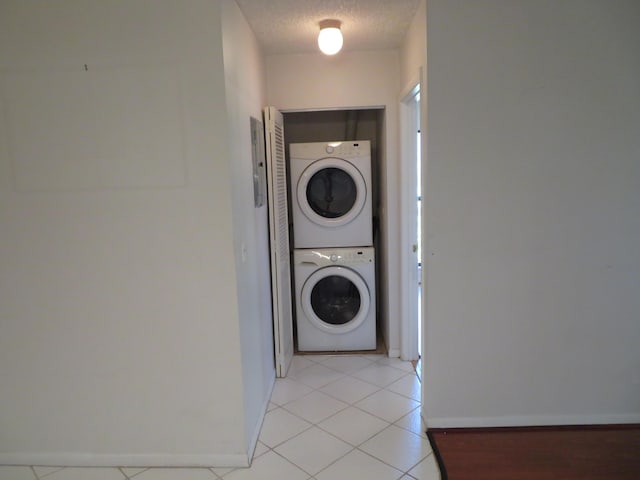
244 90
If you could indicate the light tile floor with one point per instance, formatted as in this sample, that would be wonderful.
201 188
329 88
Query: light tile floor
334 417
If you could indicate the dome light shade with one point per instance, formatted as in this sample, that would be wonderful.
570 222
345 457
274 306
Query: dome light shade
330 37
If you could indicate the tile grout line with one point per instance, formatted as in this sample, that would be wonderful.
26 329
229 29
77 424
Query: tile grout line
335 461
33 470
349 404
335 398
144 469
393 466
310 474
352 373
42 477
364 441
317 424
387 464
360 379
311 425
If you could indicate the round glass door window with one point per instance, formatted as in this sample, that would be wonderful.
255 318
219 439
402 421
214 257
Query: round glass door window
331 192
335 299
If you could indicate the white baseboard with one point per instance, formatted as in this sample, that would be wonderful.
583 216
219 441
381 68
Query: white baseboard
530 421
394 353
142 460
124 460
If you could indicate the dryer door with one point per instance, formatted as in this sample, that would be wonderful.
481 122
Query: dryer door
335 299
331 192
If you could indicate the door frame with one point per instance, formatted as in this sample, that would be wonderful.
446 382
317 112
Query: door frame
409 119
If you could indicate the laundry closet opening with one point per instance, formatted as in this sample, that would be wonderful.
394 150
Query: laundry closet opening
333 126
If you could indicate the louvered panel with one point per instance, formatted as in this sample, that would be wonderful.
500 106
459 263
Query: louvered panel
281 188
279 235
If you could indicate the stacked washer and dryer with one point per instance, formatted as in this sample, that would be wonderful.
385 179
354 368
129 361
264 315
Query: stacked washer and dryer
333 256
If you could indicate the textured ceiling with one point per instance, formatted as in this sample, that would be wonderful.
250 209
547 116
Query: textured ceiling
291 26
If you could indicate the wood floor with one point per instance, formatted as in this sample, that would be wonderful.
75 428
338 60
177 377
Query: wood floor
567 453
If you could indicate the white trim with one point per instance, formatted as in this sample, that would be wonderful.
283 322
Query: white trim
394 353
411 88
70 459
256 434
408 277
530 420
333 109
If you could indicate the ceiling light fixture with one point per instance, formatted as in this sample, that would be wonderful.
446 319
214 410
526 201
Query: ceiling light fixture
330 37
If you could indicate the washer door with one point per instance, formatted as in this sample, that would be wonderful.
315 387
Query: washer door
331 192
335 299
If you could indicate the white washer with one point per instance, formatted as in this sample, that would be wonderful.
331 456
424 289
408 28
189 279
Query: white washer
335 299
331 194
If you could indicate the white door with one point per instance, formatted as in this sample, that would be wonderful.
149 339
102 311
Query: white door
411 238
279 240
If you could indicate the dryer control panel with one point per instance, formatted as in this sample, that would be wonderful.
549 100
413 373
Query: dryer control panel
315 150
334 256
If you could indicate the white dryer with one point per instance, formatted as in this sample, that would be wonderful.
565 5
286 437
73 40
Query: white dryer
335 299
331 194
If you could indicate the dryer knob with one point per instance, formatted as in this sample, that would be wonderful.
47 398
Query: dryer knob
329 149
334 257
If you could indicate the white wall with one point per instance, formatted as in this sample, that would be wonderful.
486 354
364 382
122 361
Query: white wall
354 79
245 87
533 201
413 61
119 335
413 52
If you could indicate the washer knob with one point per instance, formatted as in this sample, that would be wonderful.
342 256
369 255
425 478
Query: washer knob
329 149
333 257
